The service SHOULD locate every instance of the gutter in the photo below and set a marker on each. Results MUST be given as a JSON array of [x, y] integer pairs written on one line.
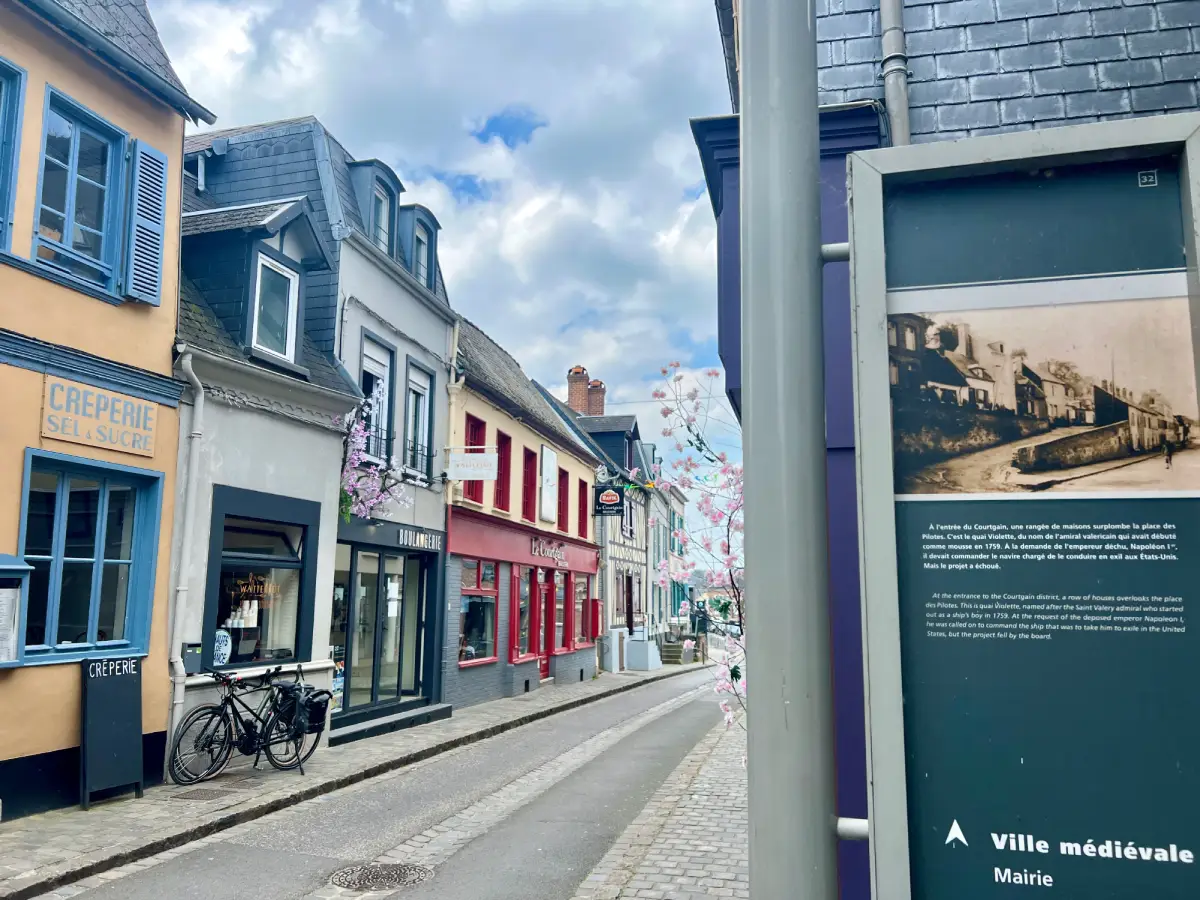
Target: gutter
[[895, 70], [99, 43], [175, 628], [335, 398]]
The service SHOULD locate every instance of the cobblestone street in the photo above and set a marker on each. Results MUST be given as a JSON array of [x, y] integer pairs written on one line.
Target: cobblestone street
[[690, 842], [538, 806]]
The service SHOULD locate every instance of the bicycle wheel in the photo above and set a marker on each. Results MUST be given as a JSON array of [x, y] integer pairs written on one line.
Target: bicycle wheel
[[283, 750], [202, 746]]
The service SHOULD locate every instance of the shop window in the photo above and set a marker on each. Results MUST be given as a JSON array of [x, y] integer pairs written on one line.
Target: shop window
[[261, 579], [476, 440], [90, 535], [529, 484], [477, 612], [503, 471], [581, 584], [376, 384], [11, 87], [523, 615], [258, 608], [564, 500], [276, 308], [561, 635], [419, 426], [584, 495]]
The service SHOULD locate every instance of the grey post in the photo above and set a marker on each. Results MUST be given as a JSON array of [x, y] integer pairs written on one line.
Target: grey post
[[793, 840]]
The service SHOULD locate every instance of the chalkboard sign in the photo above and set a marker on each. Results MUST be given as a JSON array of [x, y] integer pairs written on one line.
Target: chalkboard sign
[[110, 751]]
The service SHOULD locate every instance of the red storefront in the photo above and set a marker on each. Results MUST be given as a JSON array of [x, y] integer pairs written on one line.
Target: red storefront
[[526, 605]]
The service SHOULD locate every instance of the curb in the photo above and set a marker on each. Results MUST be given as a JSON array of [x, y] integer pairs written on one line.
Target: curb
[[56, 879]]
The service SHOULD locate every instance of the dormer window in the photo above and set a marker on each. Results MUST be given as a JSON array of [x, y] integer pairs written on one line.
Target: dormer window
[[421, 255], [276, 303], [381, 219]]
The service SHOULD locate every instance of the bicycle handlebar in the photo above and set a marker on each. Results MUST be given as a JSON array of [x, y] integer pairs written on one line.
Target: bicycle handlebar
[[236, 681]]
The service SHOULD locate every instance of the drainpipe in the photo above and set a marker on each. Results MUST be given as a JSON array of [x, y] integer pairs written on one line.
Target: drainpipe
[[895, 70], [178, 676]]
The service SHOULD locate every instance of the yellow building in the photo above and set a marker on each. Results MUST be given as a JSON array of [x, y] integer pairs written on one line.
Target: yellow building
[[91, 138], [521, 574]]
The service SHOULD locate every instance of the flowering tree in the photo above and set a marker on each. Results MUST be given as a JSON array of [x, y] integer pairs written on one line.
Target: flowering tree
[[713, 542], [368, 484]]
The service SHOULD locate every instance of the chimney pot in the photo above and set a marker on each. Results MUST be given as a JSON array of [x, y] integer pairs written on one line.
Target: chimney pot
[[595, 397], [577, 389]]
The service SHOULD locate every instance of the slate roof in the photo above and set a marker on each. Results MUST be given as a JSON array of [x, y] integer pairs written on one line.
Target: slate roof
[[725, 24], [936, 368], [571, 417], [200, 328], [128, 26], [229, 218], [342, 188], [490, 367], [193, 200], [964, 365], [606, 424]]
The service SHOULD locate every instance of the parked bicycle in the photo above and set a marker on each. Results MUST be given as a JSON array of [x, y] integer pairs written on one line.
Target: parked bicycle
[[285, 725]]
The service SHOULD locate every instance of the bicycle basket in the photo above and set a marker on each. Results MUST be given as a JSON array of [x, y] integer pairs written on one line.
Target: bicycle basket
[[315, 708]]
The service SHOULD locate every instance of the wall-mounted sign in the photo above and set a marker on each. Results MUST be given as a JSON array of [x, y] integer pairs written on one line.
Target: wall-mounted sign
[[610, 501], [10, 608], [95, 417], [472, 466], [548, 512], [555, 550]]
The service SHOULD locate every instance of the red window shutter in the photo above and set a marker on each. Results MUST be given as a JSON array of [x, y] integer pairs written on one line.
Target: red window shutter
[[583, 509], [503, 470], [476, 439], [529, 486], [564, 500]]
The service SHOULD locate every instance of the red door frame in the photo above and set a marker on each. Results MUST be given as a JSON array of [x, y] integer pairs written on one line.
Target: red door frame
[[545, 593]]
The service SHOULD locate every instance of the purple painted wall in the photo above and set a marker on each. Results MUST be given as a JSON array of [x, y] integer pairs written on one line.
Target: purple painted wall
[[842, 131]]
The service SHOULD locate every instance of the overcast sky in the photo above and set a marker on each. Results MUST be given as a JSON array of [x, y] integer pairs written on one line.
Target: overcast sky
[[550, 138]]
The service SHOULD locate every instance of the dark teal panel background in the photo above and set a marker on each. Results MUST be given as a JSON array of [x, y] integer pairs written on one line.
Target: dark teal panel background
[[1082, 220], [1088, 735]]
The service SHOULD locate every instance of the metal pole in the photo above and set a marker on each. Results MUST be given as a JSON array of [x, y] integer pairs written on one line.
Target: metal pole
[[793, 836]]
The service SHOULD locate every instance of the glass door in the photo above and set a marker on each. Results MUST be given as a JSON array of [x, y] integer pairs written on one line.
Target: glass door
[[391, 627], [412, 627], [363, 652], [546, 599]]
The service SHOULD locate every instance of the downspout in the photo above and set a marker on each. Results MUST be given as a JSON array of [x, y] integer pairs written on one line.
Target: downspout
[[895, 70], [178, 676]]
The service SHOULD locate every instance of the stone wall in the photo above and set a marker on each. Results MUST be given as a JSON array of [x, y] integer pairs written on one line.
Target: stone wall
[[929, 433], [1097, 445]]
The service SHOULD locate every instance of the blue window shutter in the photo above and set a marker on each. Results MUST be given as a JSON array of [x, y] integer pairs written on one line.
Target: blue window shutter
[[147, 221]]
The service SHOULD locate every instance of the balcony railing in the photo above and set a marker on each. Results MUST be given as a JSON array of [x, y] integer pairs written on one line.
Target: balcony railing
[[416, 457], [379, 444]]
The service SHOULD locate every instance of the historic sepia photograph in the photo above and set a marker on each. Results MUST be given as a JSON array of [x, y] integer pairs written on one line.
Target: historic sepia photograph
[[1071, 397]]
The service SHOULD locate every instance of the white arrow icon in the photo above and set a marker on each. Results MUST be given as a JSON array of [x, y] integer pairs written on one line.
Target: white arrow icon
[[956, 834]]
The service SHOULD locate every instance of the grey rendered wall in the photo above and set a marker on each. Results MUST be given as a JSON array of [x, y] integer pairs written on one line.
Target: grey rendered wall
[[477, 684], [982, 66], [574, 667], [231, 453]]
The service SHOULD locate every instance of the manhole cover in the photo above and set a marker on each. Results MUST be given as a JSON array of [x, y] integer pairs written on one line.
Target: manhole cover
[[380, 877], [200, 794]]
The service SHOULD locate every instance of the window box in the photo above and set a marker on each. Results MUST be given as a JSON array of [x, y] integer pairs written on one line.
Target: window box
[[89, 532]]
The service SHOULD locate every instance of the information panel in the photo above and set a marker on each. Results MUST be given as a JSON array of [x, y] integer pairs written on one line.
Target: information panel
[[1047, 480]]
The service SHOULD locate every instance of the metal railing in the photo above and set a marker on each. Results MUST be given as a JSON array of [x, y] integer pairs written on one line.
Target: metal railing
[[416, 457], [379, 443]]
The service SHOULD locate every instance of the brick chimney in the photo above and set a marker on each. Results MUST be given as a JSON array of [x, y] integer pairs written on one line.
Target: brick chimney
[[577, 389], [595, 397]]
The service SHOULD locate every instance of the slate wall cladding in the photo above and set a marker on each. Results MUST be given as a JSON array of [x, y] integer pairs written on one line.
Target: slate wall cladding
[[218, 265], [984, 66], [490, 681], [283, 163]]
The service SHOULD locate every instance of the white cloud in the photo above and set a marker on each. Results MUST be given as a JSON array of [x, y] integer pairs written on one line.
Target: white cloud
[[587, 244]]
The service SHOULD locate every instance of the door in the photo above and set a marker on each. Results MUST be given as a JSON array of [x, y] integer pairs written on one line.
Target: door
[[382, 628], [546, 644]]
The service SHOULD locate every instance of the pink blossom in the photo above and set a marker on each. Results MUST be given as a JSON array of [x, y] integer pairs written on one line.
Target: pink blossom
[[666, 412], [674, 365], [668, 432], [659, 394], [664, 371], [652, 521], [689, 645]]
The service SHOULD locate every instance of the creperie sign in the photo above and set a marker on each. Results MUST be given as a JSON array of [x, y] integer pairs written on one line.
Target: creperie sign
[[550, 550]]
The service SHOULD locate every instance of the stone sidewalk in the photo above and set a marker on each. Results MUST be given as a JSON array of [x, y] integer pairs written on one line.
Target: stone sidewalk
[[690, 841], [40, 853]]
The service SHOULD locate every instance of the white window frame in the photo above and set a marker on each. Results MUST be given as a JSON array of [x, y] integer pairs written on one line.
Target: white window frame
[[293, 305], [382, 196], [371, 364], [421, 254], [423, 439]]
